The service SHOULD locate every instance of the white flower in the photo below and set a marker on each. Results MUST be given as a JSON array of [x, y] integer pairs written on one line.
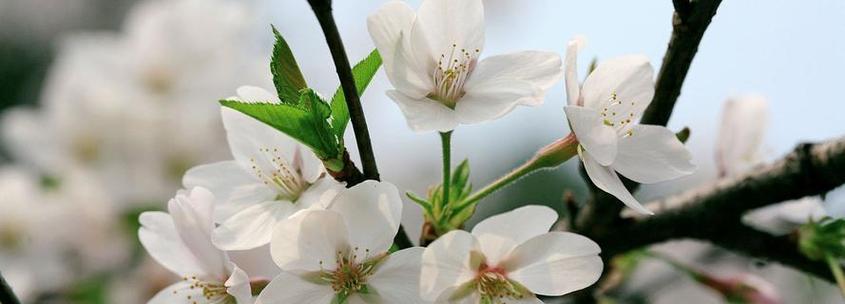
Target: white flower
[[271, 177], [340, 255], [603, 113], [181, 242], [508, 258], [431, 58], [783, 218], [744, 123]]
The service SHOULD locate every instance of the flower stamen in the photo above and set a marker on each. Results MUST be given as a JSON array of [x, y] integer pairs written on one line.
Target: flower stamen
[[451, 74]]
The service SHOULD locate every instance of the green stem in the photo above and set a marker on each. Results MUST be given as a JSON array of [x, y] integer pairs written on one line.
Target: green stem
[[549, 156], [836, 269], [446, 143]]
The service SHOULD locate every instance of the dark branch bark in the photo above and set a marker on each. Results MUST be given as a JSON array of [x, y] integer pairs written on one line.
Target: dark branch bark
[[7, 296], [713, 212], [323, 10], [600, 213]]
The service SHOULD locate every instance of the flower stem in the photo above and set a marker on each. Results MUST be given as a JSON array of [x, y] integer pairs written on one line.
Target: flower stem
[[549, 156], [7, 296], [446, 143], [323, 10], [836, 269]]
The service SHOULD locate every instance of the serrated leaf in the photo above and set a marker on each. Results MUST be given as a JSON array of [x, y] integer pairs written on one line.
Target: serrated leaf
[[363, 72], [286, 74], [306, 122]]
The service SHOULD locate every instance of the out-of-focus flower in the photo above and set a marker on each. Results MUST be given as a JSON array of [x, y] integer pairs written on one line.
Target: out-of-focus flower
[[340, 255], [744, 123], [271, 177], [743, 288], [30, 250], [508, 258], [603, 113], [181, 242], [431, 58], [783, 218], [115, 103]]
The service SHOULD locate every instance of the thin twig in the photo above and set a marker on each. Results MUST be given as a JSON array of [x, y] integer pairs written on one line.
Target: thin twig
[[323, 10], [7, 296]]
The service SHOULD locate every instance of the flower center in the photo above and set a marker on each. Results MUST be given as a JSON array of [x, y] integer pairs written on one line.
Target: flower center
[[349, 276], [493, 285], [451, 74], [613, 115], [212, 292], [285, 177]]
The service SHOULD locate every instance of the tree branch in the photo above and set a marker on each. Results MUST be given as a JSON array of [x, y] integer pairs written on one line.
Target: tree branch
[[601, 212], [7, 296], [713, 212], [323, 10]]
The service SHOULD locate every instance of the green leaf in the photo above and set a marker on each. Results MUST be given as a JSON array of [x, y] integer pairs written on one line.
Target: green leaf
[[363, 73], [286, 75], [306, 122]]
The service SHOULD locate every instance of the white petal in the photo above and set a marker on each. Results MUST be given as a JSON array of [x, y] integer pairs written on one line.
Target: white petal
[[424, 114], [309, 241], [397, 280], [493, 100], [252, 227], [606, 179], [320, 194], [253, 94], [555, 263], [652, 154], [446, 264], [180, 292], [238, 285], [159, 237], [288, 288], [389, 28], [499, 234], [234, 189], [445, 23], [192, 214], [573, 88], [538, 68], [372, 211], [630, 77], [254, 143], [597, 138], [741, 133]]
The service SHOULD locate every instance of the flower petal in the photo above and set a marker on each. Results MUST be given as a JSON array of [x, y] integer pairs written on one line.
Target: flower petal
[[555, 263], [320, 194], [290, 288], [257, 146], [606, 179], [538, 68], [372, 211], [573, 88], [499, 234], [424, 114], [397, 280], [234, 189], [253, 226], [597, 138], [493, 100], [445, 23], [390, 28], [180, 292], [192, 214], [309, 241], [159, 237], [253, 94], [629, 77], [744, 122], [238, 285], [446, 264], [652, 154]]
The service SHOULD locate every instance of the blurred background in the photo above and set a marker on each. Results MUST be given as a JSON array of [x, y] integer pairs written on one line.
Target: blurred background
[[105, 103]]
